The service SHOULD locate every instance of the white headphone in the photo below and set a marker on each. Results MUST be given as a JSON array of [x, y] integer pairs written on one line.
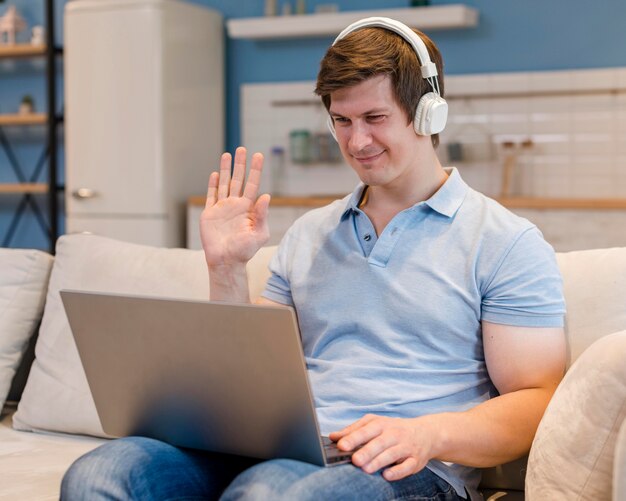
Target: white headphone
[[432, 110]]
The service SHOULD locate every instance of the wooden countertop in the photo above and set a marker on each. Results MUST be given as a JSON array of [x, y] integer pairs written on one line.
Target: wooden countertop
[[510, 202]]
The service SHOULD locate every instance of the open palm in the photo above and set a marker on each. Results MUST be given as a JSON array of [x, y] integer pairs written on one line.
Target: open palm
[[233, 224]]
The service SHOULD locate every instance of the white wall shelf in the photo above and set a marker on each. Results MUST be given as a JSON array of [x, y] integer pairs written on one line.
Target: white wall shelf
[[318, 25]]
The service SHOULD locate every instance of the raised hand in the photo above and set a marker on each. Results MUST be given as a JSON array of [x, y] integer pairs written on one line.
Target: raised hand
[[233, 224]]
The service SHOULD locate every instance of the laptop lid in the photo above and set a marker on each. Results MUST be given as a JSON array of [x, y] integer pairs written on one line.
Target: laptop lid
[[216, 376]]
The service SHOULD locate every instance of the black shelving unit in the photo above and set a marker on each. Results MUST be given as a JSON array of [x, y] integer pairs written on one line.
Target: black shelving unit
[[28, 187], [53, 123]]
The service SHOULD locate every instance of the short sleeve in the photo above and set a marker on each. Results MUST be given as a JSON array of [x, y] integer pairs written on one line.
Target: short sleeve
[[278, 288], [526, 288]]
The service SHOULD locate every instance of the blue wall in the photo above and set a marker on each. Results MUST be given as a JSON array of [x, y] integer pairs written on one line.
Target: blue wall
[[512, 35]]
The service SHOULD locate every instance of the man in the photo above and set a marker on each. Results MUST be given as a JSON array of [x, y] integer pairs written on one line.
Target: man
[[431, 317]]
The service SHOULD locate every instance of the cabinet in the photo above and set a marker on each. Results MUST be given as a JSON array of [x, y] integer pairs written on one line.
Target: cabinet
[[42, 181]]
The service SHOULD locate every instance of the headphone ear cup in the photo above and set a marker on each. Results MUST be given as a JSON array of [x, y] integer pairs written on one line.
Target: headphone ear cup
[[331, 127], [431, 115]]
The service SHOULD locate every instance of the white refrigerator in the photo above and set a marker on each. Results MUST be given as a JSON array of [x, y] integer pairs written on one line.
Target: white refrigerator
[[144, 115]]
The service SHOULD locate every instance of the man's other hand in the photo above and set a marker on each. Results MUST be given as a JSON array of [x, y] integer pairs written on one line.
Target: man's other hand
[[401, 446]]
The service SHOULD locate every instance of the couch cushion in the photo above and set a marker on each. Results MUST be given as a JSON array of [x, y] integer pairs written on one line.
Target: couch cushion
[[572, 454], [23, 282], [57, 396], [594, 283], [33, 464]]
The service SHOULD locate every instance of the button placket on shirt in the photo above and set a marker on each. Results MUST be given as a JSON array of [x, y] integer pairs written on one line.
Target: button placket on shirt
[[387, 241], [365, 232]]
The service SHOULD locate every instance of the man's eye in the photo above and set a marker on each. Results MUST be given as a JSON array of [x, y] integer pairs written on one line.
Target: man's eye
[[375, 118], [341, 120]]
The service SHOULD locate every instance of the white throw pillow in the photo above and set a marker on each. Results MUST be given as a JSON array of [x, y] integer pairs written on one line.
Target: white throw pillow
[[594, 283], [23, 282], [573, 451], [57, 397]]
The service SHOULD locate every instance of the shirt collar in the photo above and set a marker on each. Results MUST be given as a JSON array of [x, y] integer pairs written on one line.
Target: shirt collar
[[352, 201], [446, 200]]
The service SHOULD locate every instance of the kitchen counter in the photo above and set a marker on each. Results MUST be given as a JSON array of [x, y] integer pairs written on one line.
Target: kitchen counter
[[510, 202], [566, 223]]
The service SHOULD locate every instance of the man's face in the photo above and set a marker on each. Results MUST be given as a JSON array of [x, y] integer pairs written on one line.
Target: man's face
[[373, 133]]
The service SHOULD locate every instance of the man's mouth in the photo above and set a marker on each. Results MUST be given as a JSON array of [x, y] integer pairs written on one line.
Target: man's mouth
[[367, 158]]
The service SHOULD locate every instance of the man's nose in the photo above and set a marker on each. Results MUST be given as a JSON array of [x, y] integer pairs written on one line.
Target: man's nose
[[360, 137]]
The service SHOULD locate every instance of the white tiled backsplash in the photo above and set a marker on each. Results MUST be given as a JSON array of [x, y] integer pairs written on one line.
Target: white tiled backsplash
[[573, 122], [269, 113]]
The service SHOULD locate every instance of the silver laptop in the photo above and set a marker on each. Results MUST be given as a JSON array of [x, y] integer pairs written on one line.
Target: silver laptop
[[215, 376]]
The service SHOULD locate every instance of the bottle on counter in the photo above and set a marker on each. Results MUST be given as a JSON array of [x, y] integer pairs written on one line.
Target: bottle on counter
[[300, 146], [278, 170]]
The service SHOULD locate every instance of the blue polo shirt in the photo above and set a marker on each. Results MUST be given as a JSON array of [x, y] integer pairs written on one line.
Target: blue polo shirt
[[391, 324]]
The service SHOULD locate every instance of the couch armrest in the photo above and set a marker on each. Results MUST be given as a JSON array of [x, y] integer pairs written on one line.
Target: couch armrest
[[573, 451]]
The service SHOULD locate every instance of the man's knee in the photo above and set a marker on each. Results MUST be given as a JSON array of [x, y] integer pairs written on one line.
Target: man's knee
[[284, 479], [106, 470], [267, 480]]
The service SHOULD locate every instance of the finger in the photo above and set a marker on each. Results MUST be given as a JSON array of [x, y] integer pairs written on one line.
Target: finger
[[261, 209], [369, 456], [239, 172], [388, 454], [354, 426], [222, 189], [401, 470], [359, 432], [211, 195], [254, 178]]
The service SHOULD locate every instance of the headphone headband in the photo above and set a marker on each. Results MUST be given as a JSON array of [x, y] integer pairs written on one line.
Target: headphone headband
[[428, 68]]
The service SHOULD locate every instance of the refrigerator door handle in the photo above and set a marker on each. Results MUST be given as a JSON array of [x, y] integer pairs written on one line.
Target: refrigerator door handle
[[84, 193]]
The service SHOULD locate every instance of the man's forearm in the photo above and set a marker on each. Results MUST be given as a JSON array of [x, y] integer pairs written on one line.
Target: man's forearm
[[494, 432], [229, 283]]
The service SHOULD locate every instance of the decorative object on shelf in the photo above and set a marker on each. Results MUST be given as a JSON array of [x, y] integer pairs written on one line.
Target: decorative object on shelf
[[271, 8], [27, 105], [38, 36], [326, 8], [300, 7], [419, 3], [286, 10], [11, 24]]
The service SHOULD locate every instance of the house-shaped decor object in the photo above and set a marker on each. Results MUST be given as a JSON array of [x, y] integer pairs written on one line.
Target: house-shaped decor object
[[10, 24]]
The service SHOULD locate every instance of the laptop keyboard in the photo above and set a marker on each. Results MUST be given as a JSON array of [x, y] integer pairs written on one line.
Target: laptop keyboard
[[333, 454]]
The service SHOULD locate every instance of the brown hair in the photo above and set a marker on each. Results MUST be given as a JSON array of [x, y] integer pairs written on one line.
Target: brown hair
[[373, 51]]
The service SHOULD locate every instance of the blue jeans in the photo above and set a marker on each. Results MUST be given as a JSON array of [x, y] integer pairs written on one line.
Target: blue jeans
[[144, 469]]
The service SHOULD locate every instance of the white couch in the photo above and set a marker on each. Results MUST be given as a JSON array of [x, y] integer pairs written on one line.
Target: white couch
[[578, 453]]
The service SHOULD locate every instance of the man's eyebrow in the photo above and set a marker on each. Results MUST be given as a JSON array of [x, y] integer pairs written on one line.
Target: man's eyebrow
[[373, 111]]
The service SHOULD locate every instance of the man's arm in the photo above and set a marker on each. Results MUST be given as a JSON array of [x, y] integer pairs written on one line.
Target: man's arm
[[525, 364]]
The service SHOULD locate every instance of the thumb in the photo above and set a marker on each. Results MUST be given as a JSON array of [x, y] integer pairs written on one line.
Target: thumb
[[261, 210]]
